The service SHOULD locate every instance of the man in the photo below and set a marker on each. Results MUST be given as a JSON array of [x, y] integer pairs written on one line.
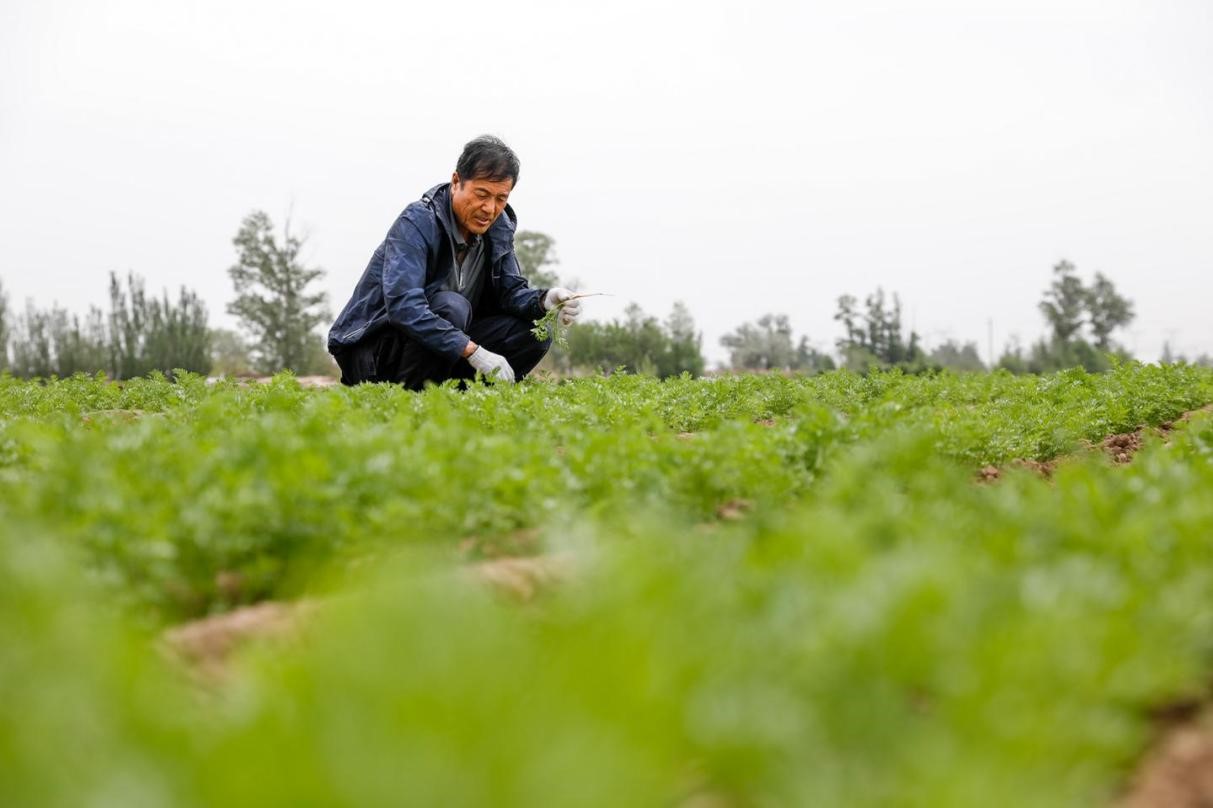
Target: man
[[443, 297]]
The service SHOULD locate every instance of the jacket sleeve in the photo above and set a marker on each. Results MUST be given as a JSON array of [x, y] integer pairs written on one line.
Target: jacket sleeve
[[513, 293], [404, 263]]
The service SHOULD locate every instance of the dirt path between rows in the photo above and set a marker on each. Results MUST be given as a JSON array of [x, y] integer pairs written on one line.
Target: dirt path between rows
[[1178, 771], [1120, 448], [206, 646]]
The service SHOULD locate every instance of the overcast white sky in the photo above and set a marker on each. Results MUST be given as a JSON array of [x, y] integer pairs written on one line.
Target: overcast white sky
[[743, 157]]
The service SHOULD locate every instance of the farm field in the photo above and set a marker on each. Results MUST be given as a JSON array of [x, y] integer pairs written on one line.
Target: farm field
[[755, 590]]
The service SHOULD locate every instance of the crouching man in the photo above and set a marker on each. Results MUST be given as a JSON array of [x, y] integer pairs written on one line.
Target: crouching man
[[442, 296]]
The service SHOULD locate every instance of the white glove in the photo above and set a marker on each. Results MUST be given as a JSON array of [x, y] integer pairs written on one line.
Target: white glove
[[489, 363], [569, 311]]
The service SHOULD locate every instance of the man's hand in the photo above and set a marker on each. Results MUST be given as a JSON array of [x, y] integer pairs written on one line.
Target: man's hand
[[490, 363], [571, 308]]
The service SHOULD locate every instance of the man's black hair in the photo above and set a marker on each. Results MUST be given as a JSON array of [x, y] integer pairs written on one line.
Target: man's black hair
[[487, 158]]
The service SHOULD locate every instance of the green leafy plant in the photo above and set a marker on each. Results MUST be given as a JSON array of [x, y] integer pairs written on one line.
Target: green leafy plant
[[548, 326], [869, 621]]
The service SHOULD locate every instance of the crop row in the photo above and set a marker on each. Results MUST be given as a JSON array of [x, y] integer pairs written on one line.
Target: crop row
[[191, 497], [879, 629]]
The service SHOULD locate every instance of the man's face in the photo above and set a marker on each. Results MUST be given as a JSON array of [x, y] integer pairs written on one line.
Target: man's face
[[478, 203]]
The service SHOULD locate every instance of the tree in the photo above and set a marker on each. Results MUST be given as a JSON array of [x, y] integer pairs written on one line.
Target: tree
[[762, 345], [638, 344], [79, 346], [1012, 358], [273, 302], [811, 360], [1067, 306], [766, 344], [4, 328], [1107, 310], [1049, 355], [33, 353], [1064, 303], [148, 333], [1168, 356], [848, 315], [684, 352], [876, 338], [127, 326], [885, 335], [177, 335], [139, 334], [955, 356], [230, 354], [53, 342], [534, 251]]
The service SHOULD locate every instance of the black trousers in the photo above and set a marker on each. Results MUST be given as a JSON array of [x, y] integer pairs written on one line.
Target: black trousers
[[390, 356]]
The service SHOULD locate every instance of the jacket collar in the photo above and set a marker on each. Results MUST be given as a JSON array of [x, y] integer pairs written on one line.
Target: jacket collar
[[500, 235]]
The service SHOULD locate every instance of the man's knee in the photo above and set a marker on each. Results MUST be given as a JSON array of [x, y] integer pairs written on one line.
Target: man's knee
[[453, 307]]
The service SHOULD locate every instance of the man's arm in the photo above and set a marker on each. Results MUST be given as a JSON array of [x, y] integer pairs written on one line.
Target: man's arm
[[513, 293], [404, 263]]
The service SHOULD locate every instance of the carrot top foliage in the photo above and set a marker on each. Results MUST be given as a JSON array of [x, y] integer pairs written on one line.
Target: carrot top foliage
[[783, 590]]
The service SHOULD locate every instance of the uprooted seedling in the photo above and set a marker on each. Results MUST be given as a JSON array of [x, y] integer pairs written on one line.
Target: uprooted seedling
[[548, 326]]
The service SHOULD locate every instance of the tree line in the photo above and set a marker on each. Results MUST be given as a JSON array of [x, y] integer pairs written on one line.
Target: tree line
[[138, 334], [279, 309], [275, 304], [1081, 319]]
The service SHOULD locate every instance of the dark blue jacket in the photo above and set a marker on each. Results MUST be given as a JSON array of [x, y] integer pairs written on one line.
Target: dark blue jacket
[[414, 262]]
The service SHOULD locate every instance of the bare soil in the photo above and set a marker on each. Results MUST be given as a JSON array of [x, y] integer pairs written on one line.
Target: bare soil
[[734, 509], [1178, 772], [522, 579], [206, 645], [304, 381], [1041, 468], [524, 542], [1120, 448]]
